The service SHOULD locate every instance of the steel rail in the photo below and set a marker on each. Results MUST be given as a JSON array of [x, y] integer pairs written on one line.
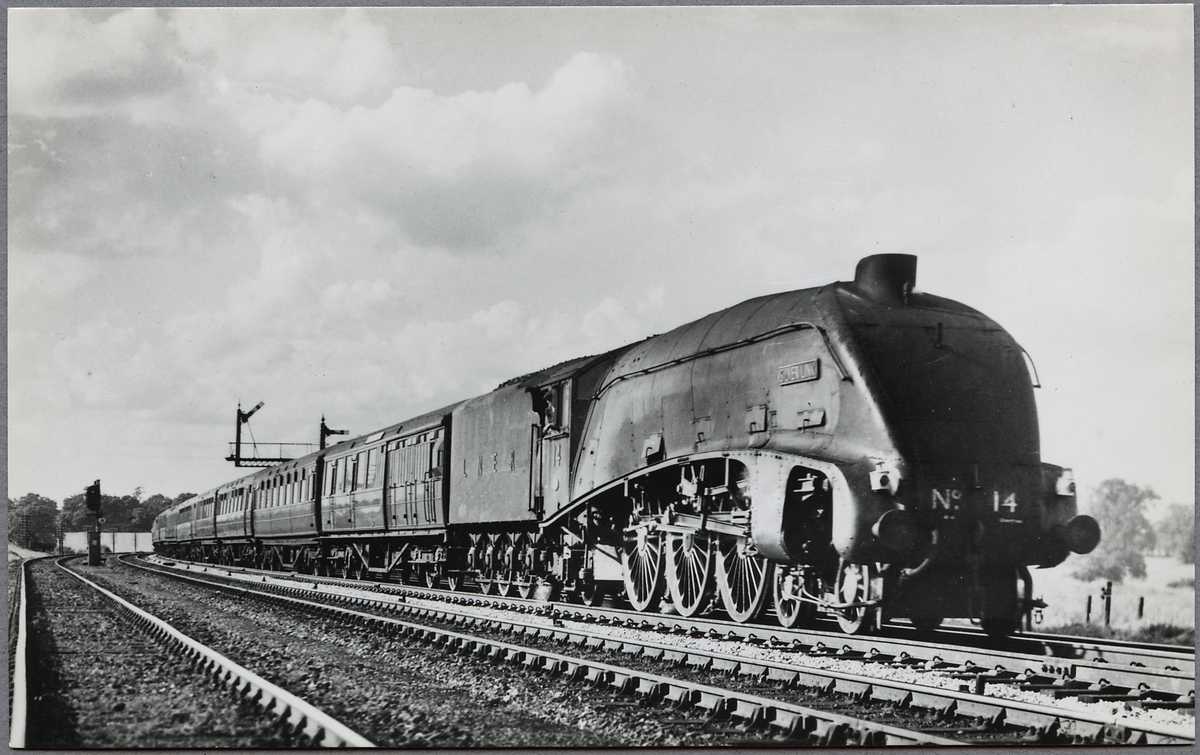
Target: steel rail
[[1094, 666], [1163, 680], [1041, 718], [20, 690], [301, 716], [1063, 650], [819, 726], [1095, 649]]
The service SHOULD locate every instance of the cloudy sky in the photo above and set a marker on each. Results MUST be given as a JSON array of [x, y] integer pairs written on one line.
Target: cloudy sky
[[367, 214]]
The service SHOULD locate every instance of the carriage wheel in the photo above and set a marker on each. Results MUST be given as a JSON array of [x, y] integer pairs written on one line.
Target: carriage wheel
[[527, 589], [487, 585], [454, 582], [689, 561], [431, 577], [591, 594], [504, 586], [641, 568], [744, 580], [854, 586]]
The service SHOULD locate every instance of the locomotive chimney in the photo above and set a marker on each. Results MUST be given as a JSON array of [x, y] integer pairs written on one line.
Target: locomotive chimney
[[886, 278]]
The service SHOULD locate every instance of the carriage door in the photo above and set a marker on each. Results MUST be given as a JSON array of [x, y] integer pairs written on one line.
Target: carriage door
[[394, 484], [431, 457], [551, 488]]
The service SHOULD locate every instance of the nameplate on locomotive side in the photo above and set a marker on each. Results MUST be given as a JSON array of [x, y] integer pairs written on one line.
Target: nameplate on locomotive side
[[800, 373]]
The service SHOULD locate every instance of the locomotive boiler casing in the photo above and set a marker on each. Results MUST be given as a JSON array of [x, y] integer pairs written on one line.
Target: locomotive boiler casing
[[765, 382]]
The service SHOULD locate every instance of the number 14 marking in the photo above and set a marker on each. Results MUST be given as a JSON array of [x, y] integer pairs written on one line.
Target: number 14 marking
[[1010, 502]]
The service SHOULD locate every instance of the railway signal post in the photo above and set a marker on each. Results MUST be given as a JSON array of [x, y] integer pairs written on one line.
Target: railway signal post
[[92, 499]]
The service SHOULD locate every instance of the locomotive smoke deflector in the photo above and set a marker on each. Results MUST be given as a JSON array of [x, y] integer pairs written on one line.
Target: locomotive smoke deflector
[[886, 278]]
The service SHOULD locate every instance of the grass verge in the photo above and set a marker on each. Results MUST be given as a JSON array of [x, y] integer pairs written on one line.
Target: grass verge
[[1163, 634]]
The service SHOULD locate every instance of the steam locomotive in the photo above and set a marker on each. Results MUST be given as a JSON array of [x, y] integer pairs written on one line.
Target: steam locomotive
[[859, 450]]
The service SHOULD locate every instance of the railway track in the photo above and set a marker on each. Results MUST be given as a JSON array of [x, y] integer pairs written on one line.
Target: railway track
[[1166, 669], [89, 661], [967, 714]]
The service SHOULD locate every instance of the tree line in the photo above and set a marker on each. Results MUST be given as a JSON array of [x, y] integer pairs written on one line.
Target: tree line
[[34, 520], [1127, 535]]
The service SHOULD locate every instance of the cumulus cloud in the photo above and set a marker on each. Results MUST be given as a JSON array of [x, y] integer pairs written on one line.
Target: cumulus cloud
[[331, 54], [84, 61], [454, 170]]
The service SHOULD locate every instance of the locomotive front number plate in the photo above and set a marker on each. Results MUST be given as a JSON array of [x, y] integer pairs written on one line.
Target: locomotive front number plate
[[800, 373]]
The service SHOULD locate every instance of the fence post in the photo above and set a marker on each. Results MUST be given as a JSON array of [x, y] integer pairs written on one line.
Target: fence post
[[1106, 594], [1141, 607], [1088, 615]]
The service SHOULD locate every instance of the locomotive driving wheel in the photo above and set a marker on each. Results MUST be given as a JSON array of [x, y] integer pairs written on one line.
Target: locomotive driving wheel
[[743, 579], [788, 583], [854, 585], [689, 561], [641, 562]]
